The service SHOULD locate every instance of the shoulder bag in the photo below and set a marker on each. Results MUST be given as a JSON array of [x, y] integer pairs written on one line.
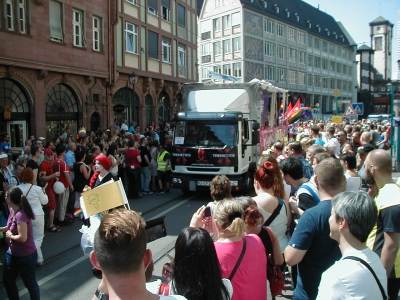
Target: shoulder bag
[[275, 213], [275, 275], [372, 271]]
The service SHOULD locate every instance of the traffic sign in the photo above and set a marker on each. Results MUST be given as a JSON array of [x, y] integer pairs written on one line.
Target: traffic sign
[[358, 107], [336, 93], [350, 111]]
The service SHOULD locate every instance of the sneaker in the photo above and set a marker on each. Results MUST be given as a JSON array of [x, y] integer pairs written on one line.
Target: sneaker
[[160, 192], [167, 191], [149, 192]]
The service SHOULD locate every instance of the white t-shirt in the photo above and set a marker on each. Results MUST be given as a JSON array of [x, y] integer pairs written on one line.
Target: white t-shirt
[[352, 183], [350, 279]]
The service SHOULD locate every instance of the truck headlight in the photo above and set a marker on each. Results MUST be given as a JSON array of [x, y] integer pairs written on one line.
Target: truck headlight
[[234, 183]]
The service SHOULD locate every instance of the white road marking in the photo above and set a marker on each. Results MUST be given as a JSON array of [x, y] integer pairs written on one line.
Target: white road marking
[[56, 273]]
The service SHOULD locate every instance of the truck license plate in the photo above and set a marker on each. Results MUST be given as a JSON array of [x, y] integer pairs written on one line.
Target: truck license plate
[[203, 183]]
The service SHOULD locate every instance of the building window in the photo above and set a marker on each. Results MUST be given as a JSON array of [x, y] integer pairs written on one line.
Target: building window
[[317, 81], [217, 24], [317, 44], [205, 28], [332, 49], [181, 55], [22, 16], [226, 22], [280, 30], [236, 19], [324, 64], [227, 69], [56, 21], [291, 34], [237, 69], [292, 54], [344, 69], [301, 38], [339, 68], [218, 69], [78, 28], [131, 1], [310, 41], [152, 44], [302, 78], [205, 49], [269, 26], [270, 49], [10, 15], [237, 45], [324, 46], [292, 76], [302, 57], [325, 83], [310, 61], [317, 62], [181, 16], [131, 38], [165, 10], [217, 48], [204, 73], [270, 73], [219, 3], [281, 75], [281, 52], [332, 83], [152, 7], [166, 50], [310, 80], [97, 25], [297, 17], [227, 46]]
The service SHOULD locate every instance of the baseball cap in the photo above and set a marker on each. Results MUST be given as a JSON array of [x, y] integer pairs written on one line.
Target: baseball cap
[[41, 138], [364, 149], [142, 136], [48, 151], [3, 156]]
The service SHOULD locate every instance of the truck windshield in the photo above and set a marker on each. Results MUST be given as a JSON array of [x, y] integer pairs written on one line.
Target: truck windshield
[[203, 133]]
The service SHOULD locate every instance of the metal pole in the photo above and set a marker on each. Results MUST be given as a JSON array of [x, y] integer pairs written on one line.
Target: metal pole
[[391, 118], [133, 102], [337, 105]]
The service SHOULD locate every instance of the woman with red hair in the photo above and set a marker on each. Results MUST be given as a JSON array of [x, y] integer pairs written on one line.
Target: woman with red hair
[[102, 166], [271, 207]]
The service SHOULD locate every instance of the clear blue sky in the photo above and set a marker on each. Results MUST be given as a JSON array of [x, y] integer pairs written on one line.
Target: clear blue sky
[[355, 15]]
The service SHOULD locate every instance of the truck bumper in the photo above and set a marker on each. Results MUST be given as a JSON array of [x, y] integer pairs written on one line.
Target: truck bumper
[[202, 183]]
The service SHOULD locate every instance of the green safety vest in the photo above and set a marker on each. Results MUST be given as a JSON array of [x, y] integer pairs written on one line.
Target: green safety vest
[[162, 163]]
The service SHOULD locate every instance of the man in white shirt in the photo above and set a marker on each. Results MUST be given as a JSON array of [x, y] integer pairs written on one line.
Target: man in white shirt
[[352, 218]]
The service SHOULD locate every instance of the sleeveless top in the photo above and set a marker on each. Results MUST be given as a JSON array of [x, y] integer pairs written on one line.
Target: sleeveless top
[[279, 225], [79, 181]]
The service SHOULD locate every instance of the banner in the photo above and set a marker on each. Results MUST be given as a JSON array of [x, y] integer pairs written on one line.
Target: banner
[[269, 136], [105, 197]]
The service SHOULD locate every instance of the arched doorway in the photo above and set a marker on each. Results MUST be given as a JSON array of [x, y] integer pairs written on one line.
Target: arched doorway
[[14, 112], [164, 106], [94, 121], [130, 103], [149, 109], [62, 112]]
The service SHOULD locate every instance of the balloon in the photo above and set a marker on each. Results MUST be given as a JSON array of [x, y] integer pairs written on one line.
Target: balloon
[[58, 187]]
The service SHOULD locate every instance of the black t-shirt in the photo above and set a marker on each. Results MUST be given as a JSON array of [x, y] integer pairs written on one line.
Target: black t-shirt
[[144, 151], [32, 164]]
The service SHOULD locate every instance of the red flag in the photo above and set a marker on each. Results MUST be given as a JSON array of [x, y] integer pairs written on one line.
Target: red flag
[[296, 107], [289, 108]]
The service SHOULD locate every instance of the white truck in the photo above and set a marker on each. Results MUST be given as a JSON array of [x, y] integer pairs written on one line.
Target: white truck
[[218, 134]]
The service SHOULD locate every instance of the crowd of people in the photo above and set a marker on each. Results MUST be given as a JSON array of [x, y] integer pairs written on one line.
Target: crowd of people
[[325, 205], [51, 175]]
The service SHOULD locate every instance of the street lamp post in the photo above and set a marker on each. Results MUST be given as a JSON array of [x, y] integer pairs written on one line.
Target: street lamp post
[[391, 90], [132, 80]]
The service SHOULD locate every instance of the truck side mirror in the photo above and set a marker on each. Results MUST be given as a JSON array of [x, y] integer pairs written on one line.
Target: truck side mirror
[[255, 133]]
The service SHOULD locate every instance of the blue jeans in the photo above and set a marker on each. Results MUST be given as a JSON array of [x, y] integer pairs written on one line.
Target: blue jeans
[[145, 175], [26, 267]]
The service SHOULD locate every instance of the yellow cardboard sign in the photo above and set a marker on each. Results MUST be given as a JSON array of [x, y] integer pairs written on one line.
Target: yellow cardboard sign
[[103, 198], [337, 119]]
